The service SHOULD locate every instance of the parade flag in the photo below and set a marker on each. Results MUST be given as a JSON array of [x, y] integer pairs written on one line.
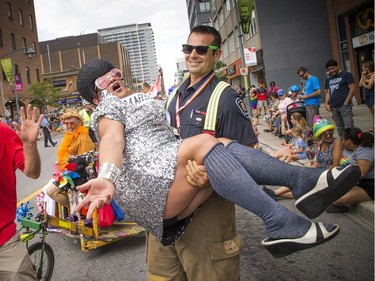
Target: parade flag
[[156, 88], [69, 85], [245, 10], [7, 66]]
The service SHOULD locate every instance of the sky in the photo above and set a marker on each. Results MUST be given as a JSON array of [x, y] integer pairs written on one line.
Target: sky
[[168, 18]]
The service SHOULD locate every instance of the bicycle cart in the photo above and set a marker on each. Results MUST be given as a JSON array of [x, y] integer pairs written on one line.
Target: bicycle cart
[[91, 233], [92, 236]]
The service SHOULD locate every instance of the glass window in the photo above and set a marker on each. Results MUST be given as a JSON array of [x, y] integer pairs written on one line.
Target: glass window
[[225, 49], [13, 41], [37, 75], [227, 8], [204, 7], [16, 69], [20, 16], [221, 18], [1, 39], [31, 22], [28, 75], [24, 43], [232, 43], [33, 45], [9, 6]]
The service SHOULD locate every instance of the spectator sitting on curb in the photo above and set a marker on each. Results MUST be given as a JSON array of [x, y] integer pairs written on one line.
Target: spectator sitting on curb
[[294, 151], [361, 145], [327, 155], [271, 110]]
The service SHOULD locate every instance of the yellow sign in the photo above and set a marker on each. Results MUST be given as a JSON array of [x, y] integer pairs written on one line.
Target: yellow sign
[[6, 64]]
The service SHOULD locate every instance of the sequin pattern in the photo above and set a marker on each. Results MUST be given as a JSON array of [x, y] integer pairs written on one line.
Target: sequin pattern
[[149, 158]]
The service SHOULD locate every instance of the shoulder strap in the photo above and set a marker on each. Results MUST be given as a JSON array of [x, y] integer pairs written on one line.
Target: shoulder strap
[[170, 98], [212, 108]]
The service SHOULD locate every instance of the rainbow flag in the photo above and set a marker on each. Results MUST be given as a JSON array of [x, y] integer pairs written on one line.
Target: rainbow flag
[[69, 85]]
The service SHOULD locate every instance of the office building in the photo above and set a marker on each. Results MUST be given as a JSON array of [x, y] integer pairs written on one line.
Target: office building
[[62, 58], [138, 39]]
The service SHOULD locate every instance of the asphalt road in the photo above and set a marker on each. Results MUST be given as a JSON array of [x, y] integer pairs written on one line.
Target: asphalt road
[[350, 256]]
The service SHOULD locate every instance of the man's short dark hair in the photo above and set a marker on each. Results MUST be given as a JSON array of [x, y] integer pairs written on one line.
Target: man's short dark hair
[[204, 29], [303, 69], [331, 62]]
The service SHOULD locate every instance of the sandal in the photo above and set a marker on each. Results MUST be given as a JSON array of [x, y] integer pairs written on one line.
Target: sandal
[[316, 235], [267, 130], [331, 185]]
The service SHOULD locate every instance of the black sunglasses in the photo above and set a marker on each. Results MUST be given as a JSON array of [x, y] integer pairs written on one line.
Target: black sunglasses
[[301, 75], [201, 50]]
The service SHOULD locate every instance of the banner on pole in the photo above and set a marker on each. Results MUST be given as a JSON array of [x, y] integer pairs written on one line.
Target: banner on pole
[[6, 64], [250, 56], [245, 10], [18, 81]]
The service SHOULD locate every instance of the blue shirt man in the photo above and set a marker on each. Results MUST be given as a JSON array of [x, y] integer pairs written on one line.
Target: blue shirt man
[[312, 94]]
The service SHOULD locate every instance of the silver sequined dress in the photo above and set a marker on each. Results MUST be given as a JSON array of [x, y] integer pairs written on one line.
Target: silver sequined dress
[[149, 158]]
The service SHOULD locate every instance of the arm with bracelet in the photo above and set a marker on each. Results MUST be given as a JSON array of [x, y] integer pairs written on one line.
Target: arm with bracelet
[[102, 189]]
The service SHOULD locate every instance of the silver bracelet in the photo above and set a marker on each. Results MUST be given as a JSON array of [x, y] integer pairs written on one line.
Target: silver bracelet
[[110, 172]]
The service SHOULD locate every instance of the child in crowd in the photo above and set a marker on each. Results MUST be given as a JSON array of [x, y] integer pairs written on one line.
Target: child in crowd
[[255, 122], [254, 102], [296, 150], [271, 112]]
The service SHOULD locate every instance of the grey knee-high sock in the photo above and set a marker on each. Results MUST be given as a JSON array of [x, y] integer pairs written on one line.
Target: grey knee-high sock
[[231, 181], [266, 170]]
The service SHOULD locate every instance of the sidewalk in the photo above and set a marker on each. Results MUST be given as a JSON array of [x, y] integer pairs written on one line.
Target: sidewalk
[[362, 213]]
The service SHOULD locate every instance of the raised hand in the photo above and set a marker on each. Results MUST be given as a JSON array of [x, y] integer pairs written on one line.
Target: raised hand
[[29, 129]]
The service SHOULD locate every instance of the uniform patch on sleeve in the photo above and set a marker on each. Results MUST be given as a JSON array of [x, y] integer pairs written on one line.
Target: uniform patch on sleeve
[[241, 105]]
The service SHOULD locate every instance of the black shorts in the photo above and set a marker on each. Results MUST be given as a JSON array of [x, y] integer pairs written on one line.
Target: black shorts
[[368, 186]]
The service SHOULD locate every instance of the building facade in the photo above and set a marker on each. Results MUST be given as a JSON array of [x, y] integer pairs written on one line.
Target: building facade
[[18, 32], [138, 39], [286, 35], [199, 12], [62, 58]]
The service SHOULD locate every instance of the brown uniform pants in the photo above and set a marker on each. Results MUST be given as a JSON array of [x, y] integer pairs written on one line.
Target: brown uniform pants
[[209, 249], [15, 262]]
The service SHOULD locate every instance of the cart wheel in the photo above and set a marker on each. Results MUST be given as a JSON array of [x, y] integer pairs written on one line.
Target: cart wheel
[[43, 260]]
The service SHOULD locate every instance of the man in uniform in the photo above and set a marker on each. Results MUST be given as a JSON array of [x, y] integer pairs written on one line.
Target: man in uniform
[[210, 247]]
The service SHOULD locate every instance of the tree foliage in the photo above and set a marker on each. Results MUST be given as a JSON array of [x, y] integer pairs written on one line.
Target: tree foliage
[[220, 71], [44, 94]]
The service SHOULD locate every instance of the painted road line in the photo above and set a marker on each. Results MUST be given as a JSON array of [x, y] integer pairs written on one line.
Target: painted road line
[[28, 198]]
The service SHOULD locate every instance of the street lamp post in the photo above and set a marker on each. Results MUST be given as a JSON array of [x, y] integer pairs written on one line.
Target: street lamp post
[[30, 52]]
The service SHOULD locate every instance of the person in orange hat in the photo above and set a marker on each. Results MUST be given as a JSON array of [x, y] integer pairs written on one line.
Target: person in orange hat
[[76, 141]]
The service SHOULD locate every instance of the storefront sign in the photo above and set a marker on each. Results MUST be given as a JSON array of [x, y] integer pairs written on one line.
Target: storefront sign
[[250, 56], [363, 40]]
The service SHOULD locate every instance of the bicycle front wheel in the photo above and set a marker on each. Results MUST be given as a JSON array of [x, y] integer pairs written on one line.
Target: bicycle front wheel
[[43, 260]]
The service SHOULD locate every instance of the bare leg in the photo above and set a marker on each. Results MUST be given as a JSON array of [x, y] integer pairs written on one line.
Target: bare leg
[[354, 196], [182, 198], [58, 195]]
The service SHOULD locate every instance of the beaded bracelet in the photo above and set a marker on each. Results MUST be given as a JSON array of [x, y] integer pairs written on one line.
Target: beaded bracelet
[[110, 172]]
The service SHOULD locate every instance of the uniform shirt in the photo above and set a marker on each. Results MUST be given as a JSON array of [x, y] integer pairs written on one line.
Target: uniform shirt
[[338, 87], [232, 120]]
